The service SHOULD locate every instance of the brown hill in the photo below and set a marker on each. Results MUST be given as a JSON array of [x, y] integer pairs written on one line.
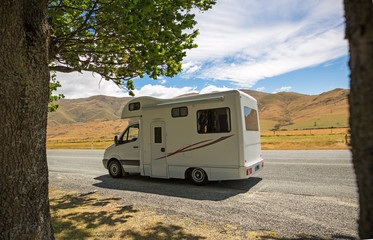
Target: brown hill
[[96, 108], [255, 94], [98, 117], [298, 111]]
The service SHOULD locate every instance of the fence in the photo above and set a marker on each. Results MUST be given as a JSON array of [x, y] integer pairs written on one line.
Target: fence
[[325, 131]]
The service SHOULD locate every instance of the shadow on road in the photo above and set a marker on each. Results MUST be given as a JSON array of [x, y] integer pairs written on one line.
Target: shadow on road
[[214, 191]]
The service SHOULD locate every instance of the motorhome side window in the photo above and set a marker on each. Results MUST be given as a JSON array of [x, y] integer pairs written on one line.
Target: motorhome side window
[[214, 120], [251, 119], [179, 112], [130, 135], [134, 106]]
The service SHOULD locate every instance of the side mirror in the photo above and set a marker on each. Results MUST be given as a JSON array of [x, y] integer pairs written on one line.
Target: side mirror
[[116, 140]]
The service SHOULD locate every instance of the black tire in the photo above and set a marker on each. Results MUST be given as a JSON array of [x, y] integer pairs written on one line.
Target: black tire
[[197, 176], [115, 169]]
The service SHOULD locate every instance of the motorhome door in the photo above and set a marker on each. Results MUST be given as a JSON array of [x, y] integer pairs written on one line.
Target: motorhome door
[[158, 148]]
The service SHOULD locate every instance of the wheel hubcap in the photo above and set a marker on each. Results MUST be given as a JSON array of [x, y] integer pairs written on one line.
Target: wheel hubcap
[[197, 175], [114, 169]]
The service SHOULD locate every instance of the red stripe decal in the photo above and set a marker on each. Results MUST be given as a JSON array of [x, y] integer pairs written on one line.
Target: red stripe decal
[[186, 149], [216, 141], [182, 149]]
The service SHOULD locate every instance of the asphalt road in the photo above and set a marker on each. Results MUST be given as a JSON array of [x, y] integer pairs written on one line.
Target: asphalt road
[[298, 193]]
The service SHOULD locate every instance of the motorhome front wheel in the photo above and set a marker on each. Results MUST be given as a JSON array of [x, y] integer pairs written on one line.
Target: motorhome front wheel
[[198, 176], [115, 170]]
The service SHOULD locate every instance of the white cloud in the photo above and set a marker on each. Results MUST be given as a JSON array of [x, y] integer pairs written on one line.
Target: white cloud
[[261, 89], [190, 67], [160, 91], [282, 89], [193, 69], [212, 88], [86, 84], [245, 41]]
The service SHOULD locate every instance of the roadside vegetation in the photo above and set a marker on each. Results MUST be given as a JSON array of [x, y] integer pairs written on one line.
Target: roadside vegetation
[[305, 142], [329, 138], [80, 144], [333, 138]]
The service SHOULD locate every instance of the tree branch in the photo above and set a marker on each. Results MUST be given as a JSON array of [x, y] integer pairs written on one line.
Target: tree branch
[[64, 69], [86, 19]]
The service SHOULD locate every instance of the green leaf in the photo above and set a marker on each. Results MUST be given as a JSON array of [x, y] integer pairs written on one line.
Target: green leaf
[[53, 85]]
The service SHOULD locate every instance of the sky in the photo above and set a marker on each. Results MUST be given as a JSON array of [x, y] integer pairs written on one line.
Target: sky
[[270, 46]]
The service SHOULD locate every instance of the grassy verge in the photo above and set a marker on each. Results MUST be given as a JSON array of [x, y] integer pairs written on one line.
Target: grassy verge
[[307, 142], [282, 142], [80, 145], [90, 216]]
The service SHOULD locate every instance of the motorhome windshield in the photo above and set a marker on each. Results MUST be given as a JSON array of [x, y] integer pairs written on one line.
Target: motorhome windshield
[[130, 135]]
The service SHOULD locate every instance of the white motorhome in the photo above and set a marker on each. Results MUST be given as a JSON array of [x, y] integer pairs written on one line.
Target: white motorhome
[[203, 137]]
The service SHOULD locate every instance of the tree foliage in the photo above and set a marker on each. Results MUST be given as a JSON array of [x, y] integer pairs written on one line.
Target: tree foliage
[[53, 85], [122, 39]]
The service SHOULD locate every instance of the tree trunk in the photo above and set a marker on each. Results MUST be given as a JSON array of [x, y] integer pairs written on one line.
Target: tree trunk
[[24, 81], [359, 32]]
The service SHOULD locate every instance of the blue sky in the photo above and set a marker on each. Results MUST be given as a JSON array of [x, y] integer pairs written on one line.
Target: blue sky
[[269, 46]]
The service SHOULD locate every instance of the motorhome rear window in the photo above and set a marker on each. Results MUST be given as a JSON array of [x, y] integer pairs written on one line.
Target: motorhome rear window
[[179, 112], [251, 119], [217, 120], [134, 106]]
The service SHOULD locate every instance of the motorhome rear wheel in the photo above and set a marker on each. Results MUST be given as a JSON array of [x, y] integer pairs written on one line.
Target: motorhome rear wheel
[[198, 176]]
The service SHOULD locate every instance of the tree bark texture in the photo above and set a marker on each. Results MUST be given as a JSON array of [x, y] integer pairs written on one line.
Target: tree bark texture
[[359, 32], [24, 89]]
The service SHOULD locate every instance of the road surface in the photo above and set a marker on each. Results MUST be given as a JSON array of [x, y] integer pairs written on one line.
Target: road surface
[[309, 193]]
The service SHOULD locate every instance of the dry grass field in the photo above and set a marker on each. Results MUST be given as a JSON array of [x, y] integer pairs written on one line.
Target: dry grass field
[[334, 138], [327, 131], [304, 142], [80, 145]]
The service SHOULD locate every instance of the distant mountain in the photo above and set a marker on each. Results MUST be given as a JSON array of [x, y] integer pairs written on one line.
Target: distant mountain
[[96, 108], [98, 117], [255, 94], [289, 110]]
